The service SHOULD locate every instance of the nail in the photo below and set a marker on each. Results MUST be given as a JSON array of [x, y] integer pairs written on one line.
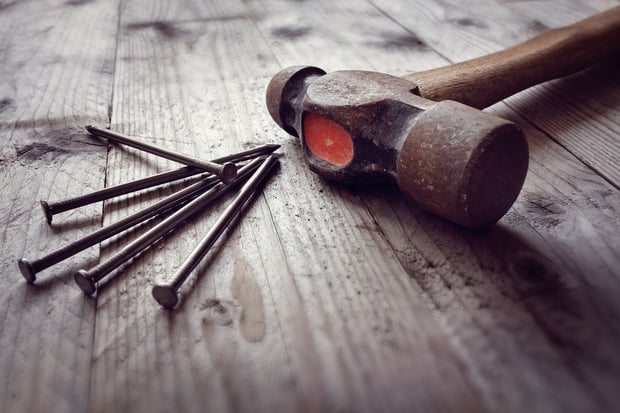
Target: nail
[[29, 269], [249, 153], [87, 279], [166, 294], [52, 208], [227, 171]]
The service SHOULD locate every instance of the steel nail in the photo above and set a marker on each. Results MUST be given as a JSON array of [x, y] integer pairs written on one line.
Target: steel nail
[[226, 171], [249, 153], [166, 294], [87, 279], [52, 208], [30, 268]]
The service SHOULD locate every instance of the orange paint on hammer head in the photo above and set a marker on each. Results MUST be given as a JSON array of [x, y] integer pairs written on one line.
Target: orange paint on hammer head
[[327, 140]]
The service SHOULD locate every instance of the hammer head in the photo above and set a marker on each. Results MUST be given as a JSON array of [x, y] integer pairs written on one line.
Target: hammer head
[[356, 126]]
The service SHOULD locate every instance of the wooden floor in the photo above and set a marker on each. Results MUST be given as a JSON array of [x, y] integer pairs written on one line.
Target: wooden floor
[[324, 298]]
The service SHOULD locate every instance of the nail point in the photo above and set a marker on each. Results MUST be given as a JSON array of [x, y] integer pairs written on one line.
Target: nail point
[[85, 282], [27, 270], [165, 295], [47, 212]]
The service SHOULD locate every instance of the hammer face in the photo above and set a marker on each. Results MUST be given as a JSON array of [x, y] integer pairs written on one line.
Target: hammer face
[[370, 114], [463, 164]]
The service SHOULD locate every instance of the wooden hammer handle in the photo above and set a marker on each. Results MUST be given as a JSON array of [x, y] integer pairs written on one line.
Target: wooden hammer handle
[[559, 52]]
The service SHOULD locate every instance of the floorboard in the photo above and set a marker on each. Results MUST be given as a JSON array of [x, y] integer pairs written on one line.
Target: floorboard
[[322, 296], [54, 79]]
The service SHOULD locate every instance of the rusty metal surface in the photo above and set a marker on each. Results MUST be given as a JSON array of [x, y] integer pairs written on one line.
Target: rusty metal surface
[[456, 162]]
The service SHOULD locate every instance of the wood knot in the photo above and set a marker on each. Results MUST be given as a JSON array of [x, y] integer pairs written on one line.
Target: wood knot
[[6, 103], [291, 32], [535, 273], [218, 312], [469, 22]]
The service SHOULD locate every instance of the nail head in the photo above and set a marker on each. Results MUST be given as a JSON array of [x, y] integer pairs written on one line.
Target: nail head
[[229, 172], [27, 270], [165, 295], [85, 282], [47, 211]]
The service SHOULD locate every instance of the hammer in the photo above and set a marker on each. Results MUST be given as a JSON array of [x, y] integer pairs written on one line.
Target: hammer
[[425, 130]]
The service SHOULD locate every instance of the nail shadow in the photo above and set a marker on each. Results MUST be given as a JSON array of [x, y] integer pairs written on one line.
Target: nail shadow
[[201, 271], [49, 278], [149, 195], [138, 157], [73, 224], [46, 282], [126, 237], [120, 273]]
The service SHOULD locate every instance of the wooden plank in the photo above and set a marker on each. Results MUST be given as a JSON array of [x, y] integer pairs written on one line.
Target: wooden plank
[[512, 297], [476, 314], [531, 298], [319, 298], [578, 111], [303, 306], [55, 77]]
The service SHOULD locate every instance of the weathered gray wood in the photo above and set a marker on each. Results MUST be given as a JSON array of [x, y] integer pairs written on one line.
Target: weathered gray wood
[[558, 107], [55, 76], [323, 297], [304, 307], [522, 290], [536, 291]]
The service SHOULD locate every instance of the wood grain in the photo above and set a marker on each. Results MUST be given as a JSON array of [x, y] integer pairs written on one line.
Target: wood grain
[[558, 107], [56, 75], [321, 297], [272, 321], [558, 52], [545, 261]]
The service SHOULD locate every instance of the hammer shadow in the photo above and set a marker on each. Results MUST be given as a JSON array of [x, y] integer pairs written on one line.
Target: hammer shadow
[[564, 307], [537, 278], [558, 298]]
